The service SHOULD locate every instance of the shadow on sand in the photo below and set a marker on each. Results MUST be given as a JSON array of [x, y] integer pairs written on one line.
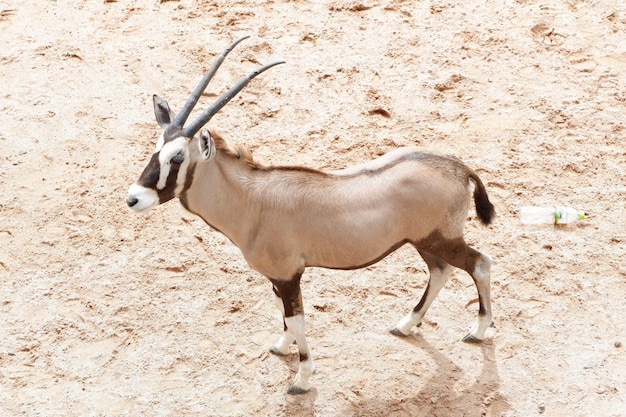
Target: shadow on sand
[[441, 394]]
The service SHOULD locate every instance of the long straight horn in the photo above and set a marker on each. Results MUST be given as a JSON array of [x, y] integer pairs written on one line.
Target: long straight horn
[[204, 118], [193, 99]]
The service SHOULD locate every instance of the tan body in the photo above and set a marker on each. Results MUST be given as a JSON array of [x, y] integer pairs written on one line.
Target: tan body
[[286, 219]]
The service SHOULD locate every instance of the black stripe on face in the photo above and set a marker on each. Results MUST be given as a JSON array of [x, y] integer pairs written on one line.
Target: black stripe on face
[[150, 175]]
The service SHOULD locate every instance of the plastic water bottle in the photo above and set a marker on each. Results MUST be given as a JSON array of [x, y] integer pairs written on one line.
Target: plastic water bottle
[[550, 215]]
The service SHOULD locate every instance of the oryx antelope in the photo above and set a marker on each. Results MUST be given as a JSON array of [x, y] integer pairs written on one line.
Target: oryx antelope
[[287, 218]]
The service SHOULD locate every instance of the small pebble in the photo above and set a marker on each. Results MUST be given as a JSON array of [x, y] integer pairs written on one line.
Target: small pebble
[[542, 408], [618, 344]]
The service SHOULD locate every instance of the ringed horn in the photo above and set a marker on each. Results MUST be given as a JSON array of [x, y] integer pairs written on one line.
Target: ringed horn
[[204, 118]]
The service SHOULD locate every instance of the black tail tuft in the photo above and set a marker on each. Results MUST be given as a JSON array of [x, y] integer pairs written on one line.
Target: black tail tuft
[[484, 209]]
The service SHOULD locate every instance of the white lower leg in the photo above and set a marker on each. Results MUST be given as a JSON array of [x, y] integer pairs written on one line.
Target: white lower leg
[[438, 279], [482, 278], [306, 367], [478, 329], [407, 322], [282, 346]]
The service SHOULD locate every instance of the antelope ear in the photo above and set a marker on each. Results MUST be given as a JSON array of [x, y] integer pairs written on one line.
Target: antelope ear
[[207, 145], [162, 112]]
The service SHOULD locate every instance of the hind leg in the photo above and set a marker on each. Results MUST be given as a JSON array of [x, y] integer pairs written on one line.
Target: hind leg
[[482, 277], [458, 254], [440, 272]]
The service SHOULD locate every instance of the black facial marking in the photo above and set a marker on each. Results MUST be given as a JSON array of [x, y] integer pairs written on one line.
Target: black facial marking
[[178, 159], [150, 175]]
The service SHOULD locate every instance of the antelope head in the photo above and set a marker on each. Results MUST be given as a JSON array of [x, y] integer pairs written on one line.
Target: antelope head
[[177, 148]]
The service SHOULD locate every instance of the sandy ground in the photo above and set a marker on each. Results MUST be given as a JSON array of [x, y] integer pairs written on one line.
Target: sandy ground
[[107, 313]]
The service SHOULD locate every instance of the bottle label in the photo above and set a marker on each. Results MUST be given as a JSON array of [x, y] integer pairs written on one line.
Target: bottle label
[[558, 215]]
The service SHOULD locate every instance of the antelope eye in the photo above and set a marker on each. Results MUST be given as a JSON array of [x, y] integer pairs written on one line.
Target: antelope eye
[[178, 159]]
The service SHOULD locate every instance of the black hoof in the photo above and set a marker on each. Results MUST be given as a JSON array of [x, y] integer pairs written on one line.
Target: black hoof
[[274, 350], [293, 390], [397, 332], [472, 339]]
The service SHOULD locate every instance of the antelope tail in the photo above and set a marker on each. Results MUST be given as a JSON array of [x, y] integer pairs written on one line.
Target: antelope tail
[[484, 209]]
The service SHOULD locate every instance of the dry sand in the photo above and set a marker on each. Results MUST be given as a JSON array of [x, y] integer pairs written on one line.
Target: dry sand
[[108, 313]]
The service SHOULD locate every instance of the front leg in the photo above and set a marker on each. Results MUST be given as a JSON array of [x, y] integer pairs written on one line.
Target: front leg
[[282, 346], [291, 296]]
